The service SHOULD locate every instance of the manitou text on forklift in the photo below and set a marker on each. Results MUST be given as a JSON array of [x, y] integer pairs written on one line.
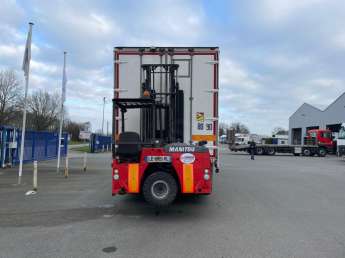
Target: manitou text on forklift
[[166, 104]]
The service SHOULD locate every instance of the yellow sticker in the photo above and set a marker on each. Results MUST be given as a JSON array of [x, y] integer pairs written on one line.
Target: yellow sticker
[[200, 117]]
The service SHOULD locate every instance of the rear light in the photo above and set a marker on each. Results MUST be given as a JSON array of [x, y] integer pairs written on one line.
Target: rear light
[[116, 174], [206, 174], [207, 177]]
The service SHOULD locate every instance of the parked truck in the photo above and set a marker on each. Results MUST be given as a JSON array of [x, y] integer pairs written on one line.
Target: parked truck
[[317, 142], [165, 121]]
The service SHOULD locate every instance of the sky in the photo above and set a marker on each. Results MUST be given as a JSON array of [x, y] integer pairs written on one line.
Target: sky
[[274, 54]]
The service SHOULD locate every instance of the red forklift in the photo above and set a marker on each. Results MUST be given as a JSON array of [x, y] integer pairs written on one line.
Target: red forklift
[[156, 162]]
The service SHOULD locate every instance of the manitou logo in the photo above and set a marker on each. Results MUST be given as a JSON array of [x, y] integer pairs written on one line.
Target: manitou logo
[[181, 149], [187, 158]]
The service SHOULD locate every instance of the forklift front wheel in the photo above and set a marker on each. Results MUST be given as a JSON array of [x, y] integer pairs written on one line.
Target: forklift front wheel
[[160, 189]]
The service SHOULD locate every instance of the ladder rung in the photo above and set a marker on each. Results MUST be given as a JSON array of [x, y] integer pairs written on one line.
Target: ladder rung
[[212, 118]]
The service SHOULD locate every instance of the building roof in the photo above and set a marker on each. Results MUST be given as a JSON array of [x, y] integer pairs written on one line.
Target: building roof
[[317, 109]]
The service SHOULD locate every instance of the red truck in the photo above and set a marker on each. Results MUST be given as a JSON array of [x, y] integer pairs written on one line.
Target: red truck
[[320, 137], [317, 142]]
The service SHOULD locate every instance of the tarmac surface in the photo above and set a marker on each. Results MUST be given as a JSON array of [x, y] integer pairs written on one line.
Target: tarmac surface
[[274, 206]]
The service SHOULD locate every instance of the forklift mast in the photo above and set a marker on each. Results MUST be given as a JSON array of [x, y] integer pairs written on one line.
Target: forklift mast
[[161, 105]]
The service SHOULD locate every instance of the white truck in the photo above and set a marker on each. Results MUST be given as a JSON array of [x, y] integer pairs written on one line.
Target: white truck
[[341, 141]]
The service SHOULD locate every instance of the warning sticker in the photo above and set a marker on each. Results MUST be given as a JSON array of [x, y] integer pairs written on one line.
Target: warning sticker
[[200, 116]]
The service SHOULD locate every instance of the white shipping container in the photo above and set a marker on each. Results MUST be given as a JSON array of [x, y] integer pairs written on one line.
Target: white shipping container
[[197, 77]]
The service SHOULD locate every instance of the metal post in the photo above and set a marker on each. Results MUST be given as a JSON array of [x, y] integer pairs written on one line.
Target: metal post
[[103, 116], [66, 165], [26, 70], [34, 181], [61, 115], [122, 121], [85, 161], [23, 131], [107, 127]]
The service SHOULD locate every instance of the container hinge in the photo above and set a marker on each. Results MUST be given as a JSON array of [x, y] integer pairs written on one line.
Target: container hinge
[[212, 91], [212, 62], [120, 90], [120, 62]]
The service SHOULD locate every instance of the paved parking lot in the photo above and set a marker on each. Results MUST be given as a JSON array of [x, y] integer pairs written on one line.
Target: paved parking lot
[[281, 206]]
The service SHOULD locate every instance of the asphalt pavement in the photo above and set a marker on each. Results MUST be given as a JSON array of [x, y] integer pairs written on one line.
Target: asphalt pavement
[[274, 206]]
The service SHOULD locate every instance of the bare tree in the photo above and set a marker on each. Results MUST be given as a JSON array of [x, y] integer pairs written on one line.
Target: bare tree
[[43, 110], [223, 128], [240, 128], [10, 95], [280, 130], [73, 129]]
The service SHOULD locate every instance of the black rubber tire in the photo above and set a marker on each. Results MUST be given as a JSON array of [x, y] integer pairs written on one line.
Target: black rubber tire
[[306, 152], [271, 151], [321, 152], [148, 191], [260, 151], [296, 154]]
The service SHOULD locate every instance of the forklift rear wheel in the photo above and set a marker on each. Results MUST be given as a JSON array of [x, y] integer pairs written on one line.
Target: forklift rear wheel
[[160, 189]]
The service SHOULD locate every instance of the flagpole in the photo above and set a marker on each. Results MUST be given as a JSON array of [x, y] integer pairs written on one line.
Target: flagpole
[[61, 110], [26, 68]]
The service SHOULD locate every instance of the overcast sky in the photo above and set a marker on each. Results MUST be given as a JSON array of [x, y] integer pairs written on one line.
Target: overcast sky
[[275, 54]]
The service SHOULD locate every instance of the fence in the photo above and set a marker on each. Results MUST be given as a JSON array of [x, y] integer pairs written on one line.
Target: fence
[[38, 145], [99, 143]]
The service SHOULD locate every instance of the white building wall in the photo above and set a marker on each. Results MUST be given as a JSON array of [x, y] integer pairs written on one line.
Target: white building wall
[[307, 116]]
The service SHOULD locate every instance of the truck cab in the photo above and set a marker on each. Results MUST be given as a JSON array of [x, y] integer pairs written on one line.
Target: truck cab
[[322, 137]]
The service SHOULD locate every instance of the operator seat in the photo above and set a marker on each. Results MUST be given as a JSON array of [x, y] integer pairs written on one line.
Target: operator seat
[[129, 146]]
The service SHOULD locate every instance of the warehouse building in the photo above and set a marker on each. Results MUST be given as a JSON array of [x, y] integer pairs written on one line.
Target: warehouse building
[[308, 117]]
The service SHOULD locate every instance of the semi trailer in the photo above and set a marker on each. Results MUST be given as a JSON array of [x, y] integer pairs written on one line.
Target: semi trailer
[[165, 121], [317, 142]]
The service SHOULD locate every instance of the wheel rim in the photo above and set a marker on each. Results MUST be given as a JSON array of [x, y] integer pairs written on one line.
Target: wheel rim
[[160, 189], [259, 151], [306, 152]]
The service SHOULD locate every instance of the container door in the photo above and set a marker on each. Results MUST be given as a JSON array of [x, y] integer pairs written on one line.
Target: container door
[[205, 101]]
